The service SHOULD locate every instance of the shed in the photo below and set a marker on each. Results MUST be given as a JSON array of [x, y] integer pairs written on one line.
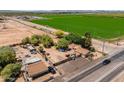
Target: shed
[[31, 60], [37, 69]]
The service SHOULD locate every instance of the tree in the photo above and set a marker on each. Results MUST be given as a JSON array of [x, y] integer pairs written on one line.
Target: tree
[[38, 37], [7, 56], [88, 35], [34, 41], [26, 40], [47, 41], [59, 34], [62, 44], [92, 49], [73, 38], [10, 71], [87, 41], [40, 48]]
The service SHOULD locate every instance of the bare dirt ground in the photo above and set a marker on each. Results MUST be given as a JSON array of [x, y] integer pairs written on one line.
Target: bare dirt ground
[[120, 42], [12, 32], [57, 56], [1, 80], [105, 47]]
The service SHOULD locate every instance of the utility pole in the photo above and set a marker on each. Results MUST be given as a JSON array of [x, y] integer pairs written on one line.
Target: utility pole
[[118, 40], [103, 47]]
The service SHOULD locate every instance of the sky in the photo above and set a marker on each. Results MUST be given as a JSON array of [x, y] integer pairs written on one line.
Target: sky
[[61, 4]]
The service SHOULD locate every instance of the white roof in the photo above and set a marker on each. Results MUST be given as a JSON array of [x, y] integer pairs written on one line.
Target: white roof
[[32, 60], [31, 47]]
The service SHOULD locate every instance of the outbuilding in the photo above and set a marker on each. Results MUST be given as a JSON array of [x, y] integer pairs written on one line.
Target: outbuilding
[[34, 68]]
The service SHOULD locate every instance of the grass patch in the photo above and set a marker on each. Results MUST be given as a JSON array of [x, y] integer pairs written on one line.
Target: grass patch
[[101, 26]]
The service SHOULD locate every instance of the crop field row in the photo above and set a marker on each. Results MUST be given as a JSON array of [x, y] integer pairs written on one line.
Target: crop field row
[[100, 26]]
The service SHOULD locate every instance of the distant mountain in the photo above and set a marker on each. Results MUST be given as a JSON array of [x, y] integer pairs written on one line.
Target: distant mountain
[[30, 12], [61, 11]]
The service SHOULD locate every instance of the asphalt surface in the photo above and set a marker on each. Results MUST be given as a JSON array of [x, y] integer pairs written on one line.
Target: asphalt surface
[[113, 73], [119, 77], [103, 70], [95, 73]]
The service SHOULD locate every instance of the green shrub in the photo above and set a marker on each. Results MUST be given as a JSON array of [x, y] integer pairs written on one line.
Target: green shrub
[[26, 41], [10, 70], [47, 41], [73, 38], [62, 44], [7, 56], [87, 41], [34, 41], [40, 48], [59, 34], [92, 49]]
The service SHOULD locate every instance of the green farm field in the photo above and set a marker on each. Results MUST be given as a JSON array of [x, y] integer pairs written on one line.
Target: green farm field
[[101, 26]]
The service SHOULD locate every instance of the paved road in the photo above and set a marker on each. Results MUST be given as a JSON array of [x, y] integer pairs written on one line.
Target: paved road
[[103, 70], [111, 74], [99, 70], [119, 77]]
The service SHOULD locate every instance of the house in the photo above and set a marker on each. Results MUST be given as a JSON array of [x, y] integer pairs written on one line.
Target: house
[[33, 68], [37, 69], [31, 60]]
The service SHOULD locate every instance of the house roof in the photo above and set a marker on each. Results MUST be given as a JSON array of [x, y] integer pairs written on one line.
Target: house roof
[[36, 69], [31, 48], [31, 60]]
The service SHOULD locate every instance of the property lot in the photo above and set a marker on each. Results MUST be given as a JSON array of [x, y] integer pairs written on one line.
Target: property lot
[[12, 32], [72, 66], [40, 65], [57, 56], [22, 54]]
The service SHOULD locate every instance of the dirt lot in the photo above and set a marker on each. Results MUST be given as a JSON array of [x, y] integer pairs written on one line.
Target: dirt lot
[[1, 80], [12, 32], [21, 53], [57, 56]]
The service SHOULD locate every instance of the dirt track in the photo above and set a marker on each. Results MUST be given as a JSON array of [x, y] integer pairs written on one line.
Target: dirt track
[[14, 32]]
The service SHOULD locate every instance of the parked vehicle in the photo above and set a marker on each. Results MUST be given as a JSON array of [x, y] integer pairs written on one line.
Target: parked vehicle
[[107, 61], [27, 55], [31, 49], [12, 79], [33, 52], [51, 69], [62, 50]]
